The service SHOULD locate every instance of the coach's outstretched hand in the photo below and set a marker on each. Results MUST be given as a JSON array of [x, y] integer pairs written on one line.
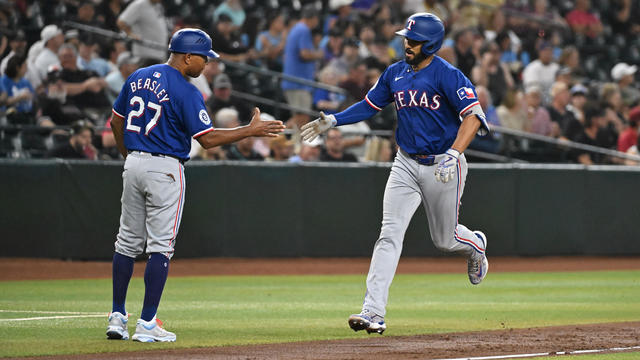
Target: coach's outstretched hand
[[446, 168], [269, 128], [312, 129]]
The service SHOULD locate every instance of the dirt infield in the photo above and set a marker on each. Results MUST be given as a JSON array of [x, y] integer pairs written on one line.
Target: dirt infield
[[436, 346], [42, 269]]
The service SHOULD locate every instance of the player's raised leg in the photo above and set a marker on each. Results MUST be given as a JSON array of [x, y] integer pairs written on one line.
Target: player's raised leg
[[401, 199], [442, 204]]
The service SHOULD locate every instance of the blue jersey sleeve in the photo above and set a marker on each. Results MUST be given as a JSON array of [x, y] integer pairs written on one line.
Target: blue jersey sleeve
[[194, 114], [380, 93], [462, 95], [120, 105]]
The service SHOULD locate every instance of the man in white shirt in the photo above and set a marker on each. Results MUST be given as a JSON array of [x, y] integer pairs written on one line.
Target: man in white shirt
[[542, 71], [52, 38], [144, 20]]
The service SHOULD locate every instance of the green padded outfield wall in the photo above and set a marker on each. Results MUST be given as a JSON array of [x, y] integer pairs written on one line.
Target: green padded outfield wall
[[71, 209]]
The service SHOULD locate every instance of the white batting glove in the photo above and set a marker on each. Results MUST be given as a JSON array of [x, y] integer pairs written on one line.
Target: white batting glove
[[446, 168], [312, 129]]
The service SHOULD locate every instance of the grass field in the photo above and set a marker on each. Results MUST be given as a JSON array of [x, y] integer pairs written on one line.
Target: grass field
[[234, 310]]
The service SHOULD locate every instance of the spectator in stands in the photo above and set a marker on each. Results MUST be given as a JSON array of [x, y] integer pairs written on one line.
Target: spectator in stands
[[582, 21], [144, 19], [281, 148], [625, 18], [226, 118], [382, 52], [243, 150], [463, 47], [127, 64], [356, 83], [350, 57], [593, 123], [85, 89], [623, 74], [542, 71], [492, 74], [88, 59], [570, 59], [270, 43], [558, 109], [629, 137], [328, 101], [108, 12], [309, 151], [300, 57], [537, 116], [222, 98], [233, 9], [611, 98], [334, 148], [543, 18], [227, 43], [85, 14], [333, 48], [366, 36], [20, 93], [52, 38], [79, 145], [53, 102], [18, 46], [510, 112], [113, 50], [578, 101], [491, 142]]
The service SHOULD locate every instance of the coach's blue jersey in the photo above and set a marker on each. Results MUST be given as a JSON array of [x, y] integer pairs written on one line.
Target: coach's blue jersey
[[162, 111], [429, 104]]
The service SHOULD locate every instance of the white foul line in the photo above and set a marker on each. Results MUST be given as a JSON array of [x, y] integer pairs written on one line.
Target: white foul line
[[52, 317], [51, 312], [575, 352]]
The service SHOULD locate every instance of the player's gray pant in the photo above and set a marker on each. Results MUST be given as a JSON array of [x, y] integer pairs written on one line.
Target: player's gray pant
[[409, 185], [152, 200]]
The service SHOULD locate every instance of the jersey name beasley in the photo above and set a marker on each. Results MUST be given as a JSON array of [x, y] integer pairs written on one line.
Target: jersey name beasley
[[430, 104]]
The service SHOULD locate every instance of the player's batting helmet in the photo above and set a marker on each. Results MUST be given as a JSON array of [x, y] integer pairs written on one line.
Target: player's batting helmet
[[192, 41], [424, 27]]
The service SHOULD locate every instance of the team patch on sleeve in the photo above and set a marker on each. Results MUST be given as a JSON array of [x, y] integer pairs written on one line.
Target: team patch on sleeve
[[204, 117], [466, 93]]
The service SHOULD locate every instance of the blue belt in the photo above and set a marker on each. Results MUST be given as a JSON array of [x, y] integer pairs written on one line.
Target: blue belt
[[423, 159]]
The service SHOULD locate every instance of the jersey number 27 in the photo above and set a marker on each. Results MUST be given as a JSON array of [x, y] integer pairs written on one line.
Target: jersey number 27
[[137, 100]]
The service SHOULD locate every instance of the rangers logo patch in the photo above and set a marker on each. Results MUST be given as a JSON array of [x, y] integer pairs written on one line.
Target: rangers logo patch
[[466, 93], [204, 117], [157, 75]]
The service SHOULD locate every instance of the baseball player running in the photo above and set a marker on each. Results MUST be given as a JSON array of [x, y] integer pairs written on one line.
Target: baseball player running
[[154, 118], [438, 116]]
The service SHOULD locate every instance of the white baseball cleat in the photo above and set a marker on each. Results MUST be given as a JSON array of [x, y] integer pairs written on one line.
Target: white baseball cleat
[[118, 326], [369, 321], [151, 331], [477, 264]]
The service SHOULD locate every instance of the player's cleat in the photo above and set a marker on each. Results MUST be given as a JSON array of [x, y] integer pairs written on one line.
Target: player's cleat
[[118, 326], [477, 264], [369, 321], [152, 331]]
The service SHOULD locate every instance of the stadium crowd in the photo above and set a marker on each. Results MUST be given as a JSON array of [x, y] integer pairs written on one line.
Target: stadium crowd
[[565, 70]]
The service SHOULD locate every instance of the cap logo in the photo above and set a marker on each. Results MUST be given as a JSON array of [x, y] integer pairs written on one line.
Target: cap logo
[[410, 23]]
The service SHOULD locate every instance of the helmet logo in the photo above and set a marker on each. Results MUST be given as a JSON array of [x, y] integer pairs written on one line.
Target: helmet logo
[[410, 23]]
